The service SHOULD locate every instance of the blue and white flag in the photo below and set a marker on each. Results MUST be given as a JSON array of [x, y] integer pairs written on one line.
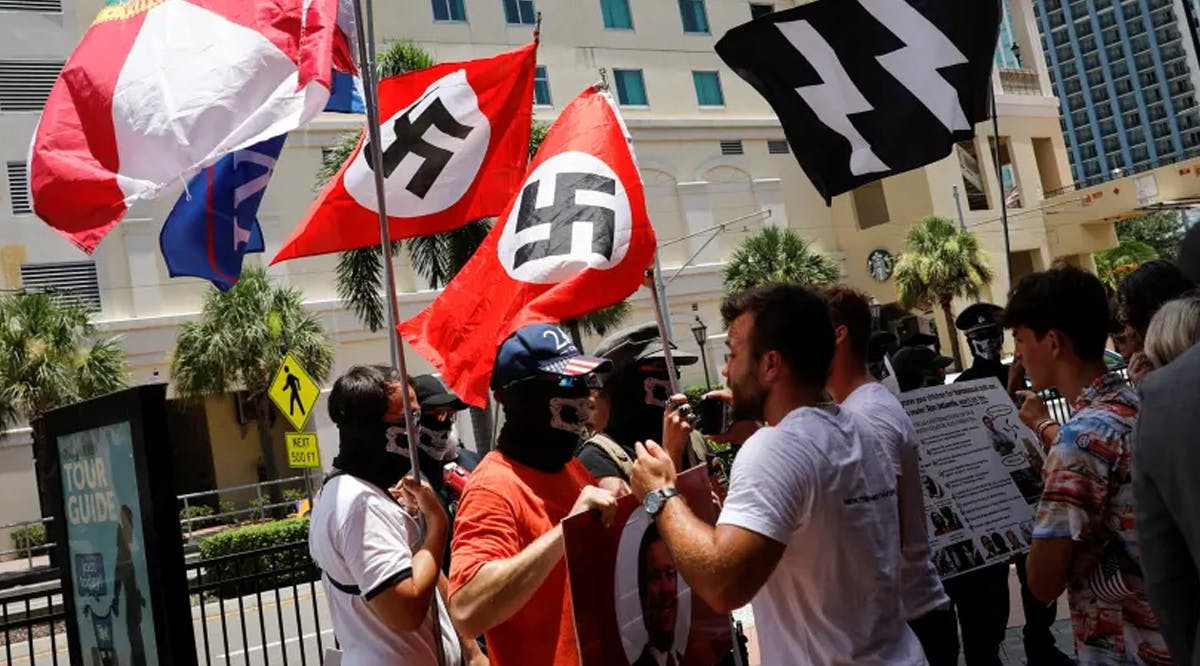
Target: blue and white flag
[[346, 95], [215, 223]]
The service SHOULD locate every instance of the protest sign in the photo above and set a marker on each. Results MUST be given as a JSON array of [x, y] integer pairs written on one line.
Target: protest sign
[[629, 600], [981, 469]]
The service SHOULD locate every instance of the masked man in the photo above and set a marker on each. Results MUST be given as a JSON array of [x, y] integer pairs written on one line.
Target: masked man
[[508, 580], [634, 396], [382, 574]]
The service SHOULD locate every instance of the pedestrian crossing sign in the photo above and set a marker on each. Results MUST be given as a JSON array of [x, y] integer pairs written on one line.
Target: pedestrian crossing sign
[[294, 392]]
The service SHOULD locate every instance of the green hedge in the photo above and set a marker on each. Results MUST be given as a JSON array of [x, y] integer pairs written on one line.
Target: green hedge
[[243, 571], [29, 537]]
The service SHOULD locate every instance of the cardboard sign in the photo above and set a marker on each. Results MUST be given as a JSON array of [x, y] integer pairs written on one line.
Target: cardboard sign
[[302, 450], [294, 392], [981, 469], [627, 595]]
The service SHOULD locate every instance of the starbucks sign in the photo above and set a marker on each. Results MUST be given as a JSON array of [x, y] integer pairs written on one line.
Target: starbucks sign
[[880, 264]]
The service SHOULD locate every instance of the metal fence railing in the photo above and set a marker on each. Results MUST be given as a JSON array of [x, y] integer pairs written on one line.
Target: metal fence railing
[[262, 606], [31, 626], [30, 539], [258, 607], [260, 507]]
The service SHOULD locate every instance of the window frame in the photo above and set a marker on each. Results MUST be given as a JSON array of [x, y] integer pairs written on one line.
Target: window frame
[[703, 13], [520, 19], [716, 76], [628, 12], [462, 4], [546, 79], [641, 74]]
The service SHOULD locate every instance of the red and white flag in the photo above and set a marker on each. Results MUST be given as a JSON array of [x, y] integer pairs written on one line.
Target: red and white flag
[[575, 238], [159, 89], [455, 145]]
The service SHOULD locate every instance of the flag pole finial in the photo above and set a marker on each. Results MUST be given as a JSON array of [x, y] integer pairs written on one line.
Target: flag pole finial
[[603, 84]]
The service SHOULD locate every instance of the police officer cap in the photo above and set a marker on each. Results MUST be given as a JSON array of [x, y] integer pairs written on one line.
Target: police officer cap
[[979, 316]]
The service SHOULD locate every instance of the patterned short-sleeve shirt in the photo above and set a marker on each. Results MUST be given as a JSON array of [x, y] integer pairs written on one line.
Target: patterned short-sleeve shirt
[[1089, 499]]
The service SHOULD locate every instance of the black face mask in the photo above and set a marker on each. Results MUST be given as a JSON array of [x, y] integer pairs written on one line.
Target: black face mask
[[639, 400], [376, 453], [543, 422]]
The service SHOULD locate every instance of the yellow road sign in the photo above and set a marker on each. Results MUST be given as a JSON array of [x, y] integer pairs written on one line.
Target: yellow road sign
[[294, 392], [302, 450]]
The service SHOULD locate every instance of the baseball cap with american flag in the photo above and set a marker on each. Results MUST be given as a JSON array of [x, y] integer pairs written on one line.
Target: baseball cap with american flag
[[542, 349]]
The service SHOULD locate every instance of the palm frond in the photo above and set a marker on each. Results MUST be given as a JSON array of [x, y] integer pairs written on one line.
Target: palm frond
[[49, 357], [401, 57], [233, 345], [605, 320], [940, 262], [777, 254]]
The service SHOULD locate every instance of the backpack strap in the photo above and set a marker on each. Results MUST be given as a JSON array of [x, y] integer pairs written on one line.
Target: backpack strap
[[618, 455]]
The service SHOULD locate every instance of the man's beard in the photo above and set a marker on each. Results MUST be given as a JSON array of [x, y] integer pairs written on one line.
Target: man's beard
[[749, 399]]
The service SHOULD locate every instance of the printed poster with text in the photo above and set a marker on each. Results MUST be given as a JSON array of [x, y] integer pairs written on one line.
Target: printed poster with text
[[981, 469], [104, 541]]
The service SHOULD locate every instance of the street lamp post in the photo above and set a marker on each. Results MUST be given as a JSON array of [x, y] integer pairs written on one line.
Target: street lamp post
[[700, 331]]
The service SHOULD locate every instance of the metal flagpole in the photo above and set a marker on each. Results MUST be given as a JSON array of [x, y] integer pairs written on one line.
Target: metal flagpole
[[1000, 187], [366, 65], [654, 275]]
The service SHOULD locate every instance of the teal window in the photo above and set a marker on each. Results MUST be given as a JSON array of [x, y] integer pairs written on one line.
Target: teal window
[[708, 88], [449, 10], [519, 12], [631, 87], [695, 18], [541, 86], [616, 14]]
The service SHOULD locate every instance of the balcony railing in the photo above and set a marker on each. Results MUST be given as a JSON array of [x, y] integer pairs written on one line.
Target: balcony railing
[[1020, 82]]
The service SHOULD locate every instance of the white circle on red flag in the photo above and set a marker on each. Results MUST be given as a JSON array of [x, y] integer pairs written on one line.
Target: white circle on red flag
[[445, 139], [572, 213]]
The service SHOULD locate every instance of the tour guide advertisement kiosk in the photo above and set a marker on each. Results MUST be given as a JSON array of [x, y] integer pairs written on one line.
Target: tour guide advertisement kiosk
[[107, 463]]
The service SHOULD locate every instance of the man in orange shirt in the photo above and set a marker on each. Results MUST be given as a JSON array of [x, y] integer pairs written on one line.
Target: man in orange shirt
[[508, 580]]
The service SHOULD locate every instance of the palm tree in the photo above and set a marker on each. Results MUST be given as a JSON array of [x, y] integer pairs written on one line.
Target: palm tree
[[1113, 264], [598, 323], [777, 255], [51, 356], [941, 262], [239, 341]]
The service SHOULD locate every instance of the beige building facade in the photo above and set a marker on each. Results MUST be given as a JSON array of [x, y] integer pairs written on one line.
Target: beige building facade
[[703, 164]]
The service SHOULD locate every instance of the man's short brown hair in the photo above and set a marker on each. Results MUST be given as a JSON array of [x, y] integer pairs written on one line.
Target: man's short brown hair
[[851, 308]]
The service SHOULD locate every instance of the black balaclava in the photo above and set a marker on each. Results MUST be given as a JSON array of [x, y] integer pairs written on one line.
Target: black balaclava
[[639, 400], [376, 453], [987, 344], [543, 421]]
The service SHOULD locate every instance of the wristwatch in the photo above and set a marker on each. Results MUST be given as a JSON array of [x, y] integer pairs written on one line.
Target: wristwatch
[[657, 499]]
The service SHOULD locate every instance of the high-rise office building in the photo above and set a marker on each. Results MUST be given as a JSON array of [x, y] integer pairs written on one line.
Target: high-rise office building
[[1126, 74]]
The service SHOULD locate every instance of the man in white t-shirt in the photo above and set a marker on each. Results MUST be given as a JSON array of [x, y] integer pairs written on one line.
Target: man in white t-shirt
[[809, 532], [382, 578], [927, 607]]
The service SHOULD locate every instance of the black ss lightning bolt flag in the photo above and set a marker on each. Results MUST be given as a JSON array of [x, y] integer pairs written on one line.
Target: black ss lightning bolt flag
[[866, 89]]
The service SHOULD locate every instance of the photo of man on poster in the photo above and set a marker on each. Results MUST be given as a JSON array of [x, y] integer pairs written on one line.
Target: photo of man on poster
[[658, 591]]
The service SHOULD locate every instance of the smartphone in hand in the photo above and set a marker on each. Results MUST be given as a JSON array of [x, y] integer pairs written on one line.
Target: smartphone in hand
[[715, 417]]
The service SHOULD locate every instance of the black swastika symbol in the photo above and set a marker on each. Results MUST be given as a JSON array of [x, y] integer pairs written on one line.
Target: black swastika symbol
[[563, 214], [410, 138]]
